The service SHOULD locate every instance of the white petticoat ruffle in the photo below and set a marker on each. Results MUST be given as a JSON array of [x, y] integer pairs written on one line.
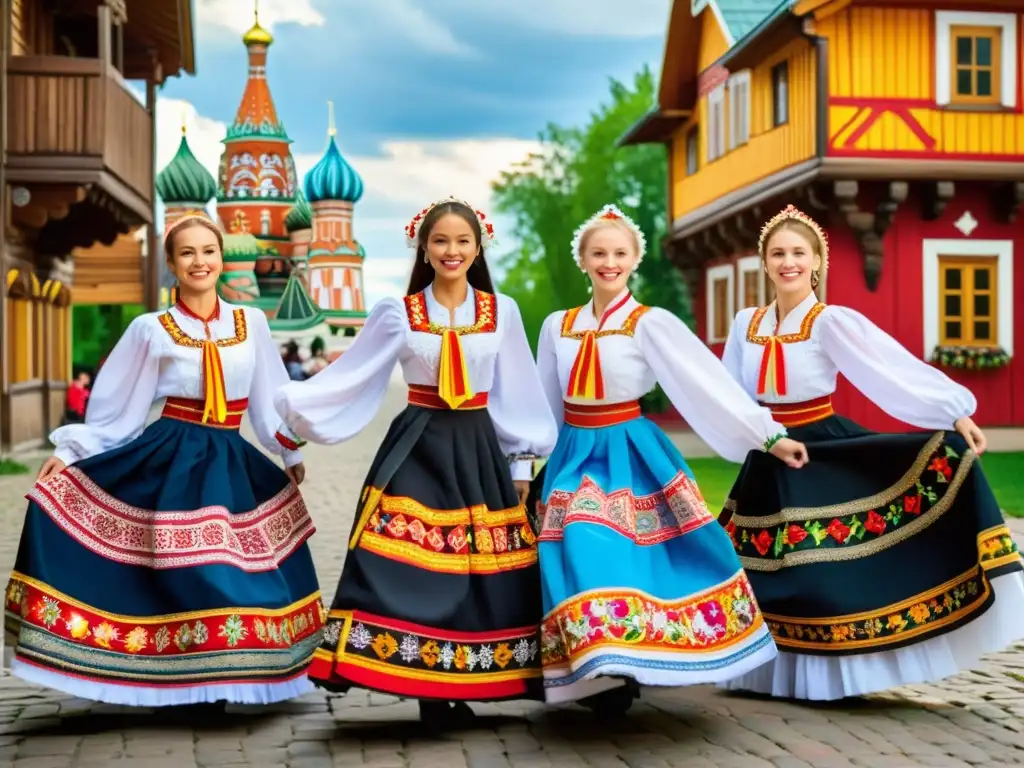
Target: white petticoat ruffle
[[828, 678]]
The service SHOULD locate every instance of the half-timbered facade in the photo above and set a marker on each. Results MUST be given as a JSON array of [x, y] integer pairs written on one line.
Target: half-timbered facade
[[77, 180], [899, 125]]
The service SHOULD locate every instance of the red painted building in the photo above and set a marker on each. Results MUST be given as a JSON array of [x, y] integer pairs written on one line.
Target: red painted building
[[899, 127]]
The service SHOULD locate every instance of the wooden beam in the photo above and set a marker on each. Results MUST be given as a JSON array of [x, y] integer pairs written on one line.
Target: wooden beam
[[152, 276], [1008, 200], [937, 195], [869, 227]]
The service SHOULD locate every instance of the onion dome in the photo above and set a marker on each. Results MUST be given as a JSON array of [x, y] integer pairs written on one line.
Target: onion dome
[[296, 311], [301, 214], [184, 180], [333, 178], [241, 247], [257, 35]]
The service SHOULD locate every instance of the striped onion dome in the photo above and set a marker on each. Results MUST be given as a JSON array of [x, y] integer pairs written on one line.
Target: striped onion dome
[[333, 178], [184, 180]]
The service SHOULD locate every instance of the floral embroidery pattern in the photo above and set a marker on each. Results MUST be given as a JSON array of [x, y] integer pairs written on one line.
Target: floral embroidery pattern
[[182, 339], [922, 614], [201, 632], [777, 542], [676, 510], [428, 650], [474, 540], [628, 326], [252, 541], [715, 619], [486, 319], [997, 549]]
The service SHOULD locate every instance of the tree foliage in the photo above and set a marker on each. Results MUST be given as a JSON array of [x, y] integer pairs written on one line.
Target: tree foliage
[[578, 171]]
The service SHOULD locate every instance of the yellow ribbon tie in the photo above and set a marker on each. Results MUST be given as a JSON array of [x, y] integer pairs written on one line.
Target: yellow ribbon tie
[[453, 378], [216, 399], [585, 379]]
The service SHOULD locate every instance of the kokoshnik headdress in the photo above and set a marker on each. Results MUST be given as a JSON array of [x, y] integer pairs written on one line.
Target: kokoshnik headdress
[[172, 226], [792, 213], [610, 212], [412, 229]]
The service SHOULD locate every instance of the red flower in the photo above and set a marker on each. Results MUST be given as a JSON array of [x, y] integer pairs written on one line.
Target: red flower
[[875, 523], [941, 465], [912, 505], [838, 530], [617, 629], [596, 621], [795, 534], [672, 615], [618, 608], [762, 542]]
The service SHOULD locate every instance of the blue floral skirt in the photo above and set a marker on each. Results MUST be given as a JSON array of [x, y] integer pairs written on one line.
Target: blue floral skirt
[[638, 581], [172, 570]]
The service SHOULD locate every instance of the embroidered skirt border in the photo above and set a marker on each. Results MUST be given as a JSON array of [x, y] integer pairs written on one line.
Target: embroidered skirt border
[[233, 644]]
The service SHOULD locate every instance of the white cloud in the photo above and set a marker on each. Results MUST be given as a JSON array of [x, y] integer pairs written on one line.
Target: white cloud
[[407, 18], [408, 175], [237, 15]]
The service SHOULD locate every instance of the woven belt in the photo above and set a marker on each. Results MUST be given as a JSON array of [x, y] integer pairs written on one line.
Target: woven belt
[[798, 414], [186, 409], [604, 415], [428, 397]]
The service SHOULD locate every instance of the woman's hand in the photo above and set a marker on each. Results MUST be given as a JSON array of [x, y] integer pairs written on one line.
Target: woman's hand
[[52, 466], [297, 473], [523, 489], [972, 433], [791, 452]]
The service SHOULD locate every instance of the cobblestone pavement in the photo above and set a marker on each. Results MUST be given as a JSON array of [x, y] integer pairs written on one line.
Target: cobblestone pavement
[[975, 719]]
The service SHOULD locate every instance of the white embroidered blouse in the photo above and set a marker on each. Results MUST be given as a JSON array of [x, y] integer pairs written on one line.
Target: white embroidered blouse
[[642, 346], [819, 342], [340, 401], [159, 356]]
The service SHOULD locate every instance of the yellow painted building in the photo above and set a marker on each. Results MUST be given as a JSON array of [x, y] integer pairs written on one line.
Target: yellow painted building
[[899, 125]]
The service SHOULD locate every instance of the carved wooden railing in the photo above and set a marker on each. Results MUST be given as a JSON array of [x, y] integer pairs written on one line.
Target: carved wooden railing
[[76, 114]]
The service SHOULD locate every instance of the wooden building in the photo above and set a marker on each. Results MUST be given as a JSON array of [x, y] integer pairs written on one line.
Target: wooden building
[[899, 126], [76, 179]]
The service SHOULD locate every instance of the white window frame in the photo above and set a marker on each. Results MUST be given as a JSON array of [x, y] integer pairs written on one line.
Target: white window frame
[[1002, 250], [714, 147], [712, 276], [744, 266], [739, 119], [944, 20]]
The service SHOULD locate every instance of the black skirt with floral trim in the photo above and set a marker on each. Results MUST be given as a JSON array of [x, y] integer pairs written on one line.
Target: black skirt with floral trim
[[439, 597], [879, 542]]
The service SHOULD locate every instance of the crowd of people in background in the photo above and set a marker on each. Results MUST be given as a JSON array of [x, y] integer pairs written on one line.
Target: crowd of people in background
[[300, 369]]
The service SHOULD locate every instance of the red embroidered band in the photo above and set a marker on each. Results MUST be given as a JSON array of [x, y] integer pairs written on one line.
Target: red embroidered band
[[429, 397], [185, 409], [604, 415], [798, 414]]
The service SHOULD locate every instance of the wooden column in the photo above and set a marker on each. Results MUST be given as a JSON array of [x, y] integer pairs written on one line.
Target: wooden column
[[5, 47], [151, 291]]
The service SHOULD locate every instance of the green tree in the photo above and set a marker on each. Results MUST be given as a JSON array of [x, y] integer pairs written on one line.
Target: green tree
[[578, 171]]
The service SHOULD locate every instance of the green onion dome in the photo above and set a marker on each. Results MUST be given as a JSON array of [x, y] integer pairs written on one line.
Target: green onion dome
[[184, 181]]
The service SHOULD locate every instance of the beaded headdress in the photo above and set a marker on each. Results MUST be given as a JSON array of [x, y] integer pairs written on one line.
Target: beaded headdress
[[791, 212], [412, 229], [610, 212]]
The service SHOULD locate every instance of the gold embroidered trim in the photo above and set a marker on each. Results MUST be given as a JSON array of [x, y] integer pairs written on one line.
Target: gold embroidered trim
[[486, 318], [790, 338], [628, 326], [835, 555], [182, 339], [444, 562], [799, 514]]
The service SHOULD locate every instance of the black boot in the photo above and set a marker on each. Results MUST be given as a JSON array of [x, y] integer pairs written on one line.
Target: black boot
[[614, 702]]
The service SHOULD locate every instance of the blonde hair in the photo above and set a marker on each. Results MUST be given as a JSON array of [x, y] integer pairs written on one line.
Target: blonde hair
[[605, 224]]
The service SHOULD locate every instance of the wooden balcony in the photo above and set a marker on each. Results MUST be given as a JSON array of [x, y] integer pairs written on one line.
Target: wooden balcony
[[73, 121]]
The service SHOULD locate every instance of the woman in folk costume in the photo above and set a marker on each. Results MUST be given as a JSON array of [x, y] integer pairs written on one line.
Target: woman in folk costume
[[886, 561], [438, 596], [168, 565], [638, 581]]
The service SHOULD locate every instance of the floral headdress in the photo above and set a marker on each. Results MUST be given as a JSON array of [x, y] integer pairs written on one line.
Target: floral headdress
[[792, 213], [173, 226], [608, 213], [412, 229]]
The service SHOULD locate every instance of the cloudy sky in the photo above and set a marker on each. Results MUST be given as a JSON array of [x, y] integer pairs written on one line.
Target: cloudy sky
[[428, 103]]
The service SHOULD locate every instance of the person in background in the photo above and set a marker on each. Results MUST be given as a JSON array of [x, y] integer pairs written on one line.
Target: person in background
[[293, 362], [318, 358], [77, 398]]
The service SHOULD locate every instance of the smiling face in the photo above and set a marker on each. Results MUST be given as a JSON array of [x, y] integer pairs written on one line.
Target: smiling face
[[197, 259], [452, 246], [609, 257], [790, 258]]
